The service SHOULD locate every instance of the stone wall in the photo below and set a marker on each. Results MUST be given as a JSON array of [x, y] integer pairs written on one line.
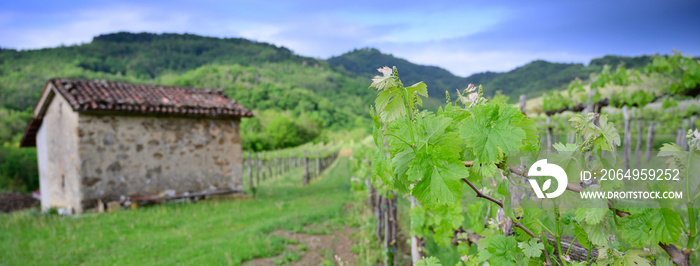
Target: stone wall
[[57, 156], [148, 155]]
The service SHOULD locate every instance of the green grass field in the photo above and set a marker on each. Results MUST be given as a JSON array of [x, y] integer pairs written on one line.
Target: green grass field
[[206, 232]]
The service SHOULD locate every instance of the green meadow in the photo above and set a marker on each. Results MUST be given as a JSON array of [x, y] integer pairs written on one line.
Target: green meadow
[[205, 232]]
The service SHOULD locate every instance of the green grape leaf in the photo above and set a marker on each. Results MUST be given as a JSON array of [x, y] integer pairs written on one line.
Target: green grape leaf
[[434, 127], [428, 261], [401, 162], [568, 147], [446, 147], [377, 133], [652, 225], [398, 135], [666, 226], [530, 128], [446, 219], [532, 249], [634, 257], [441, 184], [379, 168], [479, 170], [670, 149], [635, 227], [610, 137], [591, 215], [492, 129], [453, 111], [418, 168], [390, 105], [635, 236], [420, 89], [596, 234], [501, 249], [581, 236], [663, 261]]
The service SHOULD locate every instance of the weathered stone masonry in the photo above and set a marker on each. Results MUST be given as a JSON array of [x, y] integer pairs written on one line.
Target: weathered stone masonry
[[130, 155]]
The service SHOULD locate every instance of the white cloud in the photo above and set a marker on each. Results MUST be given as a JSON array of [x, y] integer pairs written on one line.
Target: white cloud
[[318, 36], [464, 63], [85, 24]]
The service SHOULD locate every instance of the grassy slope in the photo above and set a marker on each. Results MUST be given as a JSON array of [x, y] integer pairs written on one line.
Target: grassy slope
[[209, 232]]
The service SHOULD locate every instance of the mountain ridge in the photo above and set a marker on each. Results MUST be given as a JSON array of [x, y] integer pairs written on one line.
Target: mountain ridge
[[532, 79]]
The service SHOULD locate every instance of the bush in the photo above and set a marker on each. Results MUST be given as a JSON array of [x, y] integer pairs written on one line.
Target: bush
[[18, 168]]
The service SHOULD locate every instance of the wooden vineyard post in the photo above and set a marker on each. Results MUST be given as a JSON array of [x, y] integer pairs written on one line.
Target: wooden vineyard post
[[680, 137], [250, 171], [626, 149], [318, 164], [258, 169], [389, 217], [279, 163], [650, 141], [416, 243], [380, 217], [638, 147], [571, 137], [387, 230], [321, 161], [288, 162], [268, 160], [261, 159], [549, 133], [693, 119], [283, 163], [371, 199], [306, 168], [523, 102], [273, 164], [395, 228], [276, 164], [263, 172]]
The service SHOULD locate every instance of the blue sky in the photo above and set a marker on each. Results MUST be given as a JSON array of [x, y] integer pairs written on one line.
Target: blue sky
[[464, 37]]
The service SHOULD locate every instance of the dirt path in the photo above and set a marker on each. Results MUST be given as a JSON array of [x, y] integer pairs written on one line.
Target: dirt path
[[313, 249]]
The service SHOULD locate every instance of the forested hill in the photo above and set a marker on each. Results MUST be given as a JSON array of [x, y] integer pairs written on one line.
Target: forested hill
[[364, 62], [126, 56], [532, 79], [147, 57]]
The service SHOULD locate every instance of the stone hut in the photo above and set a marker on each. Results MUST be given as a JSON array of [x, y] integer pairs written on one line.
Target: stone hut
[[101, 141]]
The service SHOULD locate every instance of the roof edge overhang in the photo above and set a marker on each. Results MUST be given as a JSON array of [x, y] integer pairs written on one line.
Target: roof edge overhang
[[47, 95], [29, 137]]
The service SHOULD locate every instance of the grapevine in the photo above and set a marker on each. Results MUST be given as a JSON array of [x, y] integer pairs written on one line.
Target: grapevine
[[456, 163]]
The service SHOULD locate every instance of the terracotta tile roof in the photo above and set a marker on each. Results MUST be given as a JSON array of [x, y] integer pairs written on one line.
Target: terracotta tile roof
[[122, 97], [111, 97]]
